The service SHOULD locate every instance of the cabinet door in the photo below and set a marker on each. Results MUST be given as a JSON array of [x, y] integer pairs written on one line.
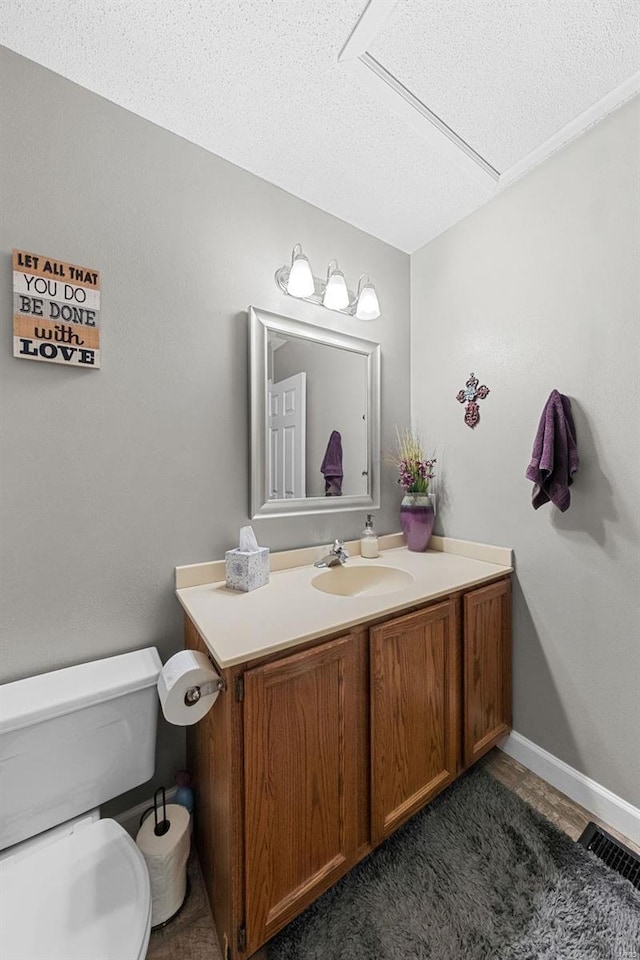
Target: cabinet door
[[415, 708], [487, 668], [304, 740]]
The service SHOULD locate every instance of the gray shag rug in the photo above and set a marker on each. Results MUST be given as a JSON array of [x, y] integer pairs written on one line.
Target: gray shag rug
[[477, 875]]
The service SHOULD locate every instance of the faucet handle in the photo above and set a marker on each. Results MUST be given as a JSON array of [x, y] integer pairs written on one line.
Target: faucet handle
[[339, 550]]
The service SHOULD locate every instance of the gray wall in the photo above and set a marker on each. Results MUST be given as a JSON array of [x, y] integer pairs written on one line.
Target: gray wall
[[111, 478], [540, 289]]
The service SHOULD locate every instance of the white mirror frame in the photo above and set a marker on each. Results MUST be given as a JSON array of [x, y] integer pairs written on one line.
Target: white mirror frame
[[260, 324]]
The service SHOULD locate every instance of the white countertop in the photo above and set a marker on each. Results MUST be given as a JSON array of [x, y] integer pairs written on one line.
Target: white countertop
[[239, 627]]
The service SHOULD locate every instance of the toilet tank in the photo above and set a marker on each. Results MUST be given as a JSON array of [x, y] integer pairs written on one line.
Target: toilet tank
[[74, 738]]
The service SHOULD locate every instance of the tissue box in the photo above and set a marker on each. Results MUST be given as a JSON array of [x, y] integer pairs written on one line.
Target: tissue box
[[247, 569]]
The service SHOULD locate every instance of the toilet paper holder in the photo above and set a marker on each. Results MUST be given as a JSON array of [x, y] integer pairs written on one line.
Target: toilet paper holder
[[195, 693]]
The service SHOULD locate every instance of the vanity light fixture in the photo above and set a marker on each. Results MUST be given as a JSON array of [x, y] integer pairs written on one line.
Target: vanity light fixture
[[367, 306], [298, 281], [336, 295]]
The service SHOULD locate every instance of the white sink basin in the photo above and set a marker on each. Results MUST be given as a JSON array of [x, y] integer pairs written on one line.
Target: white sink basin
[[361, 581]]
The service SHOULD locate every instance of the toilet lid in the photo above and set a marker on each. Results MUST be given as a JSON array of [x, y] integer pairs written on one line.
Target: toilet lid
[[84, 897]]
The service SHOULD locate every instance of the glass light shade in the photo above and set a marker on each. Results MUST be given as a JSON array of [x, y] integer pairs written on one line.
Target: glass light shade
[[368, 307], [336, 295], [300, 282]]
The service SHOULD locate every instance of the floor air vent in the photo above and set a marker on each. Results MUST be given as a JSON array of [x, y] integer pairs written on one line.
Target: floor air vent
[[612, 852]]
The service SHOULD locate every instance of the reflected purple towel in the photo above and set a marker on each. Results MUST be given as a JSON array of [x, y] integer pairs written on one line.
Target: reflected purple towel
[[332, 466], [554, 458]]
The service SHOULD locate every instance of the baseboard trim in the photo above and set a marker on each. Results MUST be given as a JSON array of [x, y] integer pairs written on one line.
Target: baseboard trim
[[595, 798]]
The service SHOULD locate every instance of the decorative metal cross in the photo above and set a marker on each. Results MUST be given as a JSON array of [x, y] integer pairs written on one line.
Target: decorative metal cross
[[470, 395]]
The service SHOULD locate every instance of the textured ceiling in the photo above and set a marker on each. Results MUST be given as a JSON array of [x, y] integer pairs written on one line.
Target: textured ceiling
[[259, 83], [506, 76]]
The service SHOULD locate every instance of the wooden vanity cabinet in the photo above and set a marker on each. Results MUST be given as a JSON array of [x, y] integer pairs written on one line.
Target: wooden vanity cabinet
[[415, 707], [311, 758], [487, 668], [305, 740]]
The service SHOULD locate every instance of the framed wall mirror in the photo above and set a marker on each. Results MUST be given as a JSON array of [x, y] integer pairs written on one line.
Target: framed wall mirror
[[315, 418]]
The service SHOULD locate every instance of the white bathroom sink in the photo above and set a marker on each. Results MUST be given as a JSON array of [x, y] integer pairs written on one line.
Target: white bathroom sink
[[361, 581]]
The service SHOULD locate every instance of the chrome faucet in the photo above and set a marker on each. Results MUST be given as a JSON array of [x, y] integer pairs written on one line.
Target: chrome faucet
[[336, 556]]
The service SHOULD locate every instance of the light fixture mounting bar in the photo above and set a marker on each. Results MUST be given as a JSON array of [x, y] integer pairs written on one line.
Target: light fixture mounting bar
[[282, 278]]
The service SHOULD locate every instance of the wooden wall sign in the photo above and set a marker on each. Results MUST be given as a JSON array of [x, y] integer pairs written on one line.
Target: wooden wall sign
[[56, 311]]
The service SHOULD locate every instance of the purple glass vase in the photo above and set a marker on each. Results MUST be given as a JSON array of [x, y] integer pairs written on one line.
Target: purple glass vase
[[417, 519]]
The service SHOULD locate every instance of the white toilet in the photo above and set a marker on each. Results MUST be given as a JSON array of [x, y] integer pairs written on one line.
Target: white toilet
[[72, 886]]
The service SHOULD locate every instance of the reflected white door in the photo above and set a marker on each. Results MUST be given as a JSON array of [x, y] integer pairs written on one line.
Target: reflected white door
[[287, 437]]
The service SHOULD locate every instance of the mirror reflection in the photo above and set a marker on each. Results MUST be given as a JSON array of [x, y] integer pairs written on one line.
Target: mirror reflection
[[317, 419]]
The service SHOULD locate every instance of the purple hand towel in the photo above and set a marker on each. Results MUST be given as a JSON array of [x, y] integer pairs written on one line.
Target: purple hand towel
[[332, 466], [554, 458]]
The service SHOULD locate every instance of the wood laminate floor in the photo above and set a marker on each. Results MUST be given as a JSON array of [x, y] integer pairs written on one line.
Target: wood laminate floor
[[555, 806], [191, 936]]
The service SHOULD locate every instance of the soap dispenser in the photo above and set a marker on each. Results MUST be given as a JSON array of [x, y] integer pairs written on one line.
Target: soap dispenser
[[369, 540]]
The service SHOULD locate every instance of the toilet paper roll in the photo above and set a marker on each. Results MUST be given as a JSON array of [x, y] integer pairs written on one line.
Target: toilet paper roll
[[166, 858], [178, 680]]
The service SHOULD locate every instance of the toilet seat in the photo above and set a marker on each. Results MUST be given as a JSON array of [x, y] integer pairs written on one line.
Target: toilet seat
[[85, 897]]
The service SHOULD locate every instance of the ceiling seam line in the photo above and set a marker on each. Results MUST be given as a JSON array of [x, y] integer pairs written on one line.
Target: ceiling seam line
[[398, 87]]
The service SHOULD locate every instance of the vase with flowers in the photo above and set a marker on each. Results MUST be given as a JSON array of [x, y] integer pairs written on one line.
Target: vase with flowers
[[415, 470]]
